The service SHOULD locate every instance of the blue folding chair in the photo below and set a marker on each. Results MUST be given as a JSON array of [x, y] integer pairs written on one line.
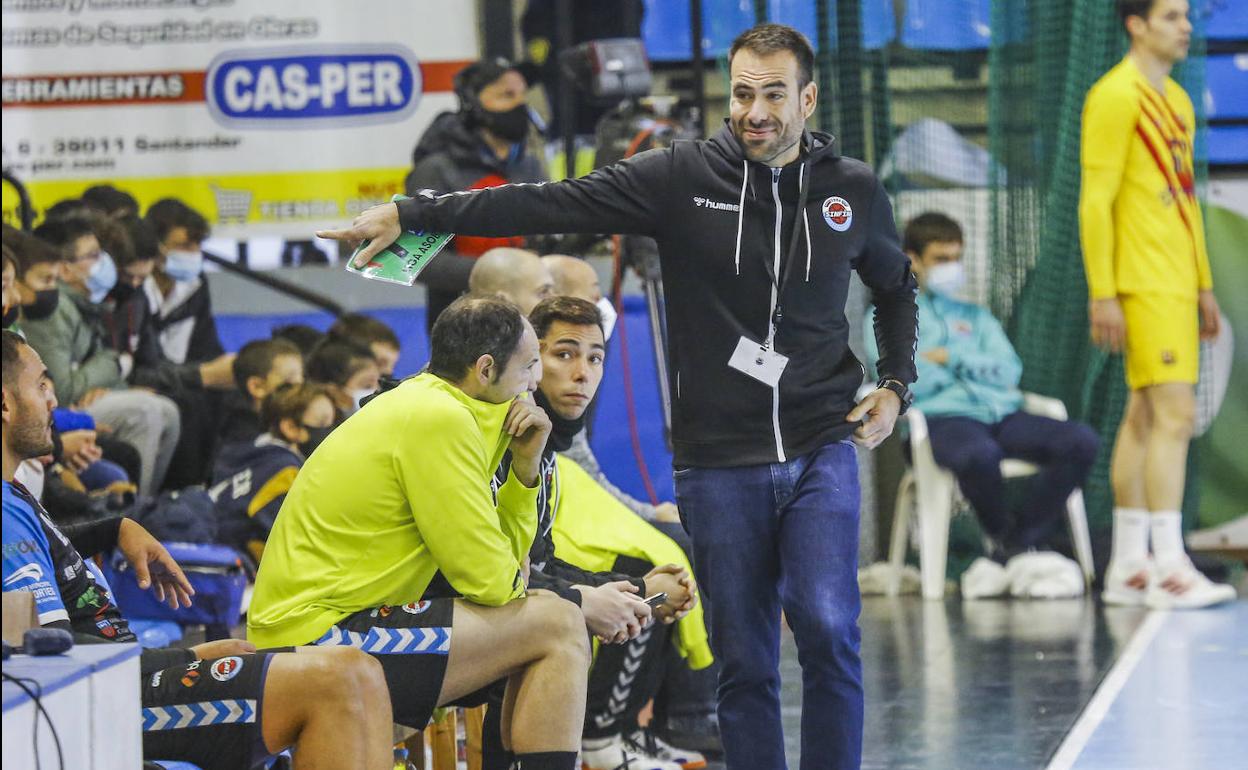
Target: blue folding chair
[[1224, 19], [879, 24], [947, 25], [1226, 86], [1228, 145]]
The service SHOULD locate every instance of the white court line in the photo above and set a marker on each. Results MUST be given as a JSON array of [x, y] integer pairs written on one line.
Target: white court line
[[1107, 693]]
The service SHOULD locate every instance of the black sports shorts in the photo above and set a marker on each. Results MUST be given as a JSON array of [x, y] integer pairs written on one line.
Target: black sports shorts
[[207, 712], [412, 642]]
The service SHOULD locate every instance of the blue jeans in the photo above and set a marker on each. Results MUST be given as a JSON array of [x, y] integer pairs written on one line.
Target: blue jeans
[[772, 537]]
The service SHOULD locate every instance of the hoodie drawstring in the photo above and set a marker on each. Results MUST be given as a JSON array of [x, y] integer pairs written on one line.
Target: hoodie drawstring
[[745, 180]]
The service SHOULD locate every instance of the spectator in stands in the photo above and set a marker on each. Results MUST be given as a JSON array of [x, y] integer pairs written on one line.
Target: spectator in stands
[[251, 478], [303, 336], [573, 349], [483, 144], [330, 703], [365, 528], [517, 275], [130, 325], [685, 710], [368, 332], [177, 290], [63, 326], [348, 370], [110, 201], [262, 366], [69, 207], [968, 389]]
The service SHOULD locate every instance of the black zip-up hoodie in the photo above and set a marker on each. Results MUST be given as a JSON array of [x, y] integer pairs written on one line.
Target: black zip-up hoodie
[[714, 216]]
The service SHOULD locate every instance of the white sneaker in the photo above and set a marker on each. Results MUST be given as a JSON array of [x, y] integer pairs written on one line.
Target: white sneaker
[[1044, 575], [650, 743], [615, 753], [1180, 586], [984, 579], [1126, 585]]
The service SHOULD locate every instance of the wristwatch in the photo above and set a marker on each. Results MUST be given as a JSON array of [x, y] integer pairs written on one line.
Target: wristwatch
[[898, 387]]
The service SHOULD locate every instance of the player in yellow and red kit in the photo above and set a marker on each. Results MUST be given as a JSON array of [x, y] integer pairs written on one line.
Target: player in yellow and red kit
[[1151, 294]]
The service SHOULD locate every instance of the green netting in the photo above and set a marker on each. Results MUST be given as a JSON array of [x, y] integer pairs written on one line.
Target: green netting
[[1017, 99], [1037, 83]]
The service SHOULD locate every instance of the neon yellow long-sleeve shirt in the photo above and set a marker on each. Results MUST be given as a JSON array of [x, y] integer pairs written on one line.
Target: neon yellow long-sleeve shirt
[[396, 493], [1139, 222]]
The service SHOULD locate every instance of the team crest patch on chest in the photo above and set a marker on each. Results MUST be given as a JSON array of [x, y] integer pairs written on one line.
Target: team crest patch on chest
[[838, 213]]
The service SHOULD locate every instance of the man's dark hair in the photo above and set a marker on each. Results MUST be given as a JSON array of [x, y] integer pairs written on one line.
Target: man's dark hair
[[143, 241], [472, 327], [108, 200], [766, 39], [9, 257], [931, 227], [363, 330], [334, 362], [255, 359], [63, 233], [68, 207], [289, 402], [169, 213], [1129, 8], [29, 250], [12, 351], [569, 310], [303, 336]]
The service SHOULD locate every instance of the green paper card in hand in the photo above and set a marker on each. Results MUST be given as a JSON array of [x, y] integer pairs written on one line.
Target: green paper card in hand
[[402, 261]]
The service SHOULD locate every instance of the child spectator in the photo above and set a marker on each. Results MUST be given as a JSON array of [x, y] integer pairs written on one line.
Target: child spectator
[[370, 333], [262, 366], [303, 336], [250, 479], [350, 372]]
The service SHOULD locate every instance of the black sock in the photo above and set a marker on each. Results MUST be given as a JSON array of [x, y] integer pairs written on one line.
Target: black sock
[[546, 760]]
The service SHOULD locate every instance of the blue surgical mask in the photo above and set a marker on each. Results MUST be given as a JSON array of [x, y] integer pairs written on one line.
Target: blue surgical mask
[[102, 278], [184, 265], [946, 279]]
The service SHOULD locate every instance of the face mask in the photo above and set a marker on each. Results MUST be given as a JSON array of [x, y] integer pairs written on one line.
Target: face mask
[[315, 437], [947, 279], [184, 265], [44, 305], [511, 125], [609, 317], [10, 316], [357, 396], [103, 277]]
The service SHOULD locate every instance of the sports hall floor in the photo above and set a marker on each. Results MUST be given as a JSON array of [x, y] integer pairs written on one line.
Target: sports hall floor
[[1067, 685]]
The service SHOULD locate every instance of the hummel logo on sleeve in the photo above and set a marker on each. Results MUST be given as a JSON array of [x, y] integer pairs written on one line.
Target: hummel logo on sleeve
[[701, 202]]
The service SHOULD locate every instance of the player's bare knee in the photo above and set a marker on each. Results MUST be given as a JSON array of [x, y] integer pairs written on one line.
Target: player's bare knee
[[338, 677], [559, 626]]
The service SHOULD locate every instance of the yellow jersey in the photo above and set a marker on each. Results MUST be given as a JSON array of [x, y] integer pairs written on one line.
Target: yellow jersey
[[397, 492], [1139, 221]]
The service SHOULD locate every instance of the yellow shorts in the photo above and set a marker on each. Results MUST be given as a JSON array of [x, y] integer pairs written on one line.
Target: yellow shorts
[[1163, 339]]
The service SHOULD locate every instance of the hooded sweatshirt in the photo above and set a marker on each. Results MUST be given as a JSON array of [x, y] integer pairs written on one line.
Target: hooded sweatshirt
[[742, 245]]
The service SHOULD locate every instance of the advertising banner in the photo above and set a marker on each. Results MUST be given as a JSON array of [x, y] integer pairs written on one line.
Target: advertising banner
[[269, 117]]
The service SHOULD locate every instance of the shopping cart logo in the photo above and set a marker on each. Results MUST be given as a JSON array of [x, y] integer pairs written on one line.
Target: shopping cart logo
[[232, 205]]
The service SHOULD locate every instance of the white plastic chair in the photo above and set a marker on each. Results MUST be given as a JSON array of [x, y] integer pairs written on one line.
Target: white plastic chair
[[932, 492]]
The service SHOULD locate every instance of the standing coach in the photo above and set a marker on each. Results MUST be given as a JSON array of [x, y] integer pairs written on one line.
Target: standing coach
[[758, 229]]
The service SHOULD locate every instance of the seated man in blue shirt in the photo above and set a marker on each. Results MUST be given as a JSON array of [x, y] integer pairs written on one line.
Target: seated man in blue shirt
[[968, 390]]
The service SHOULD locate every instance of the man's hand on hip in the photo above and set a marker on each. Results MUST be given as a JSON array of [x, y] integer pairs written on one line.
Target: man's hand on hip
[[379, 225], [529, 426], [1109, 327], [878, 412]]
